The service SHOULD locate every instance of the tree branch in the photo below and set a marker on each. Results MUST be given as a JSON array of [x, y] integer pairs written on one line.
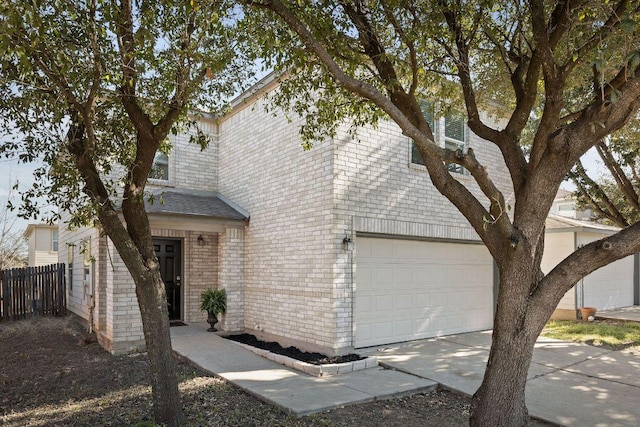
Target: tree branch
[[625, 186], [589, 189], [588, 259], [513, 155], [127, 49]]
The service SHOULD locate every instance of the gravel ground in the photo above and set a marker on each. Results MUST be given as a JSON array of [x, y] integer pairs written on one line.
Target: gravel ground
[[52, 375]]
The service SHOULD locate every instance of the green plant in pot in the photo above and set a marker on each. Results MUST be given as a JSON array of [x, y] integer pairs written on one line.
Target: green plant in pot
[[214, 302]]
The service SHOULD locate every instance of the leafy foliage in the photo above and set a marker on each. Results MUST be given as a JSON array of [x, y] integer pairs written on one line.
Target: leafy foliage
[[64, 58], [614, 196], [214, 301], [560, 76]]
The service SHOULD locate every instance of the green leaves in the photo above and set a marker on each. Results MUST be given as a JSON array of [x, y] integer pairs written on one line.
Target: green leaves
[[60, 64]]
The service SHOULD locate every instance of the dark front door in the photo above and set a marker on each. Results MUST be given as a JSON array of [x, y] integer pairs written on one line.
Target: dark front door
[[169, 257]]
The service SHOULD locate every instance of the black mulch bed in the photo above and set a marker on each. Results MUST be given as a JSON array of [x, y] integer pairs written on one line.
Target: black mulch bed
[[293, 352]]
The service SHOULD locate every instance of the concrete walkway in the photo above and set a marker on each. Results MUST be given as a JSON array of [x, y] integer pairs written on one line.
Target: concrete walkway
[[294, 391], [569, 384], [631, 314]]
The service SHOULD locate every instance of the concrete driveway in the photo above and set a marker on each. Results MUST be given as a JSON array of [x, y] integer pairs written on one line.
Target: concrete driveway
[[570, 384]]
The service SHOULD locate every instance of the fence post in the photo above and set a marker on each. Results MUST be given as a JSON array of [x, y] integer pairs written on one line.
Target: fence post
[[6, 296]]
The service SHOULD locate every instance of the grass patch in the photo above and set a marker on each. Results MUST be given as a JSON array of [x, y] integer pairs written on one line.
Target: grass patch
[[602, 333]]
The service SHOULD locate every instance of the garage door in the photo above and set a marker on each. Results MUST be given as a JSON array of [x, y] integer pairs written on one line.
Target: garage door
[[408, 290], [611, 286]]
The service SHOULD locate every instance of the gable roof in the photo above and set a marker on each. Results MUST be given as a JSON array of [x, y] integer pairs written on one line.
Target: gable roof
[[563, 194], [195, 203]]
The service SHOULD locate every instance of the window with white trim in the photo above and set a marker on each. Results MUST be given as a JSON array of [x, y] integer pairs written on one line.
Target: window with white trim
[[54, 240], [160, 168], [449, 132]]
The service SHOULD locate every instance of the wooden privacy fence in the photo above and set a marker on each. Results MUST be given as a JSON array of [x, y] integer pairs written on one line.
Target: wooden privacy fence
[[32, 291]]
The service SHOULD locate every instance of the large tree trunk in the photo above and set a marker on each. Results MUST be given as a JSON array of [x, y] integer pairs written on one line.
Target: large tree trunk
[[500, 400], [155, 321], [152, 301]]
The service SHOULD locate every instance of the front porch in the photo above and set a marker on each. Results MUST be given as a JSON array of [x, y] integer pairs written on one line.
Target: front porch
[[199, 241]]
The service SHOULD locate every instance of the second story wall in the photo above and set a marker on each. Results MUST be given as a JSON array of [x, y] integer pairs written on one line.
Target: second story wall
[[379, 189], [289, 246], [43, 244], [188, 165]]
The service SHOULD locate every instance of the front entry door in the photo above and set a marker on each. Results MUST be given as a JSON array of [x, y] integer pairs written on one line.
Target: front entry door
[[169, 257]]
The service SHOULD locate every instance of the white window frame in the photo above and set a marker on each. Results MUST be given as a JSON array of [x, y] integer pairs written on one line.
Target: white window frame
[[169, 169], [439, 135], [55, 240]]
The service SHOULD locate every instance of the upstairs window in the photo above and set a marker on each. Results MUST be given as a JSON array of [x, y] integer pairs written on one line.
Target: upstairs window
[[454, 137], [448, 132], [54, 240], [160, 168]]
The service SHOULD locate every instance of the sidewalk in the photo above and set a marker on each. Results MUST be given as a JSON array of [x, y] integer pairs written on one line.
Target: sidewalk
[[631, 314], [570, 384], [294, 391]]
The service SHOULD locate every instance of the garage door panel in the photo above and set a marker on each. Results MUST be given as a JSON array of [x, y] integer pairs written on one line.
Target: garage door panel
[[423, 300], [364, 305], [454, 299], [439, 299], [382, 252], [611, 286], [404, 301], [382, 276], [412, 289], [383, 303], [437, 276], [382, 330], [403, 327], [403, 276]]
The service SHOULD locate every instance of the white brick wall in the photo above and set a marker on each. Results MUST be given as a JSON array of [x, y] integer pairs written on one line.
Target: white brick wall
[[231, 277], [189, 166], [299, 282], [288, 246]]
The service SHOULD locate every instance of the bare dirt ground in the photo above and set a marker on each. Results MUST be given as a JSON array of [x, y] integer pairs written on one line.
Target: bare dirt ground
[[50, 375]]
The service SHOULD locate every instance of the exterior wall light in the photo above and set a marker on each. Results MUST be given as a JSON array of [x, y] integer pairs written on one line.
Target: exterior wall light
[[347, 243], [201, 241]]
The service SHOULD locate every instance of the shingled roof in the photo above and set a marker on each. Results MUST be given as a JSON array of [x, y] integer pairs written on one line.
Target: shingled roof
[[194, 202]]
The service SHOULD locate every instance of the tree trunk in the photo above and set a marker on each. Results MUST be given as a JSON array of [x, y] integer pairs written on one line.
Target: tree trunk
[[155, 320], [152, 301], [500, 400]]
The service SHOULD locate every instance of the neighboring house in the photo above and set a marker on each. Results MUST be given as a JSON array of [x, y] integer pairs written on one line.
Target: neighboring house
[[565, 205], [613, 286], [42, 240], [344, 246]]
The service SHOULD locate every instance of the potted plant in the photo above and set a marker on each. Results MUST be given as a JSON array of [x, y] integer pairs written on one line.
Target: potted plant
[[588, 313], [214, 302]]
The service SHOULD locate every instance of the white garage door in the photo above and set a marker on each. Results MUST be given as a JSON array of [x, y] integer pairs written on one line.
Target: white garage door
[[611, 286], [408, 290]]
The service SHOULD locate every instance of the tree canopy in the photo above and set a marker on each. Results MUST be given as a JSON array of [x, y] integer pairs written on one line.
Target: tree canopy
[[108, 65], [94, 89], [563, 74], [614, 194]]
